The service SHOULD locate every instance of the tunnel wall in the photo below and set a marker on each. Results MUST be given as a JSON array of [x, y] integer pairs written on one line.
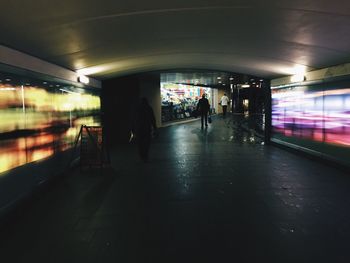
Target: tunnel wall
[[37, 137], [40, 119], [19, 183]]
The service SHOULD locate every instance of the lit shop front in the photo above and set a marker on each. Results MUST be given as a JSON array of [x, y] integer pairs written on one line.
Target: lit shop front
[[180, 101], [39, 120]]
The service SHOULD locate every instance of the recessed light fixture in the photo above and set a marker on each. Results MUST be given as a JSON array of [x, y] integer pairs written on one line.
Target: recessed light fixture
[[298, 77], [245, 86], [83, 79], [261, 80], [224, 84], [8, 79], [218, 77], [231, 78], [44, 82], [57, 85]]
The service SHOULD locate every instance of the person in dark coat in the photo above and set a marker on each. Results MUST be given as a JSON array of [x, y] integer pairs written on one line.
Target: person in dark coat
[[203, 108], [144, 122]]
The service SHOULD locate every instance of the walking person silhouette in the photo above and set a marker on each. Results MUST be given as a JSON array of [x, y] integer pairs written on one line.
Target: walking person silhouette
[[203, 108], [144, 123]]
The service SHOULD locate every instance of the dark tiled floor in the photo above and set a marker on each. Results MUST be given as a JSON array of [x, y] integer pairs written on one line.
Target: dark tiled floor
[[215, 195]]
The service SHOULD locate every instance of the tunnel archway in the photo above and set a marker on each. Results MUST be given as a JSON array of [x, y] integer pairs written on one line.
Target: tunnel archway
[[249, 95]]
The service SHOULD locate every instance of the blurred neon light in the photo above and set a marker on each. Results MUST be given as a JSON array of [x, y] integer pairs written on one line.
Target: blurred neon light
[[319, 115], [23, 105], [37, 122], [7, 89]]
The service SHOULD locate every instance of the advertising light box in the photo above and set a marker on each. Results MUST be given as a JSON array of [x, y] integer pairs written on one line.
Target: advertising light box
[[316, 117], [37, 122]]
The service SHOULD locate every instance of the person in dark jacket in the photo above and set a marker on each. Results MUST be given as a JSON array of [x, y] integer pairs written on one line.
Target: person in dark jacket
[[203, 108], [144, 124]]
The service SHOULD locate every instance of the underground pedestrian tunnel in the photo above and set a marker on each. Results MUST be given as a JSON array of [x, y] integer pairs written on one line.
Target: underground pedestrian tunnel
[[269, 182]]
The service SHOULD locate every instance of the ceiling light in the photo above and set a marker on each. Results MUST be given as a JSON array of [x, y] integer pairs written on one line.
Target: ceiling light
[[297, 77], [8, 79], [218, 77], [83, 79], [224, 84], [245, 86], [57, 85], [299, 69], [231, 78], [44, 82]]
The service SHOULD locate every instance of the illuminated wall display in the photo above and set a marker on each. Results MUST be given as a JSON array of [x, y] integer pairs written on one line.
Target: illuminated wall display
[[37, 122], [319, 114]]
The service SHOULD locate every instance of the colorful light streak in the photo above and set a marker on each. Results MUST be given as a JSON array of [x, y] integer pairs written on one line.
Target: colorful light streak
[[321, 115], [37, 123]]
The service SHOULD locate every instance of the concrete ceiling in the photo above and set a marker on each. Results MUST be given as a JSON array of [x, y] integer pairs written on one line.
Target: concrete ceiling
[[110, 38]]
